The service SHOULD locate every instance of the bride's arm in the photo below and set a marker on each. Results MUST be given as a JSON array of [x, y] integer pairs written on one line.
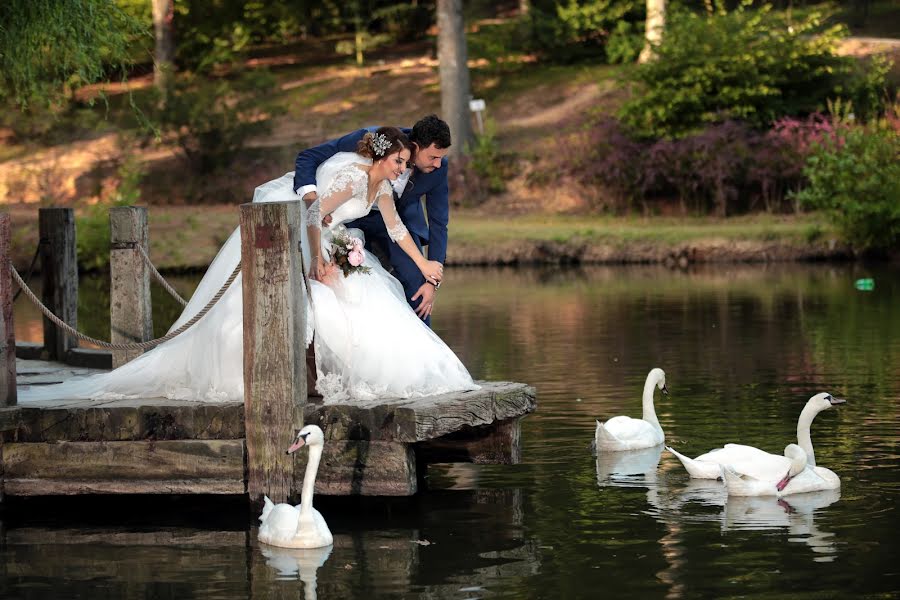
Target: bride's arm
[[431, 269], [340, 190]]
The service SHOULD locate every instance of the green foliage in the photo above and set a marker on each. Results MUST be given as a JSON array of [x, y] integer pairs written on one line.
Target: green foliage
[[50, 47], [92, 225], [211, 119], [855, 179], [403, 22], [487, 160], [747, 64], [625, 43], [580, 28]]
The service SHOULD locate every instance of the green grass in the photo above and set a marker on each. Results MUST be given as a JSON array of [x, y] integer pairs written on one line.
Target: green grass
[[479, 231]]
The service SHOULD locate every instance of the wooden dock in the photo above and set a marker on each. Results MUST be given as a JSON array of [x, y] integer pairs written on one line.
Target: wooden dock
[[161, 446]]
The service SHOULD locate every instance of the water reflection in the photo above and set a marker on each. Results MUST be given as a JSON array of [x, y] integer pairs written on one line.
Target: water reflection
[[301, 563], [632, 468], [794, 514]]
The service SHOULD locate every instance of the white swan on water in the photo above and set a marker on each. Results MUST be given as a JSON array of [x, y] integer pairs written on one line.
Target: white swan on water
[[300, 526], [754, 462], [627, 433], [799, 479]]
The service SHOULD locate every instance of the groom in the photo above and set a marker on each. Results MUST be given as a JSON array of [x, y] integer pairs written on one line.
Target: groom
[[430, 138]]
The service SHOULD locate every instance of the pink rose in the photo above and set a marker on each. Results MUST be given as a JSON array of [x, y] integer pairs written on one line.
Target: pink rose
[[357, 244], [356, 257]]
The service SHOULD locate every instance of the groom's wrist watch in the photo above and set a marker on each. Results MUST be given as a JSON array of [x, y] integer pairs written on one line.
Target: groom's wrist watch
[[436, 285]]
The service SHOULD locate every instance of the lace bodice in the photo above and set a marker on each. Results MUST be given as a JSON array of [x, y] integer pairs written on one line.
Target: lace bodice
[[346, 198]]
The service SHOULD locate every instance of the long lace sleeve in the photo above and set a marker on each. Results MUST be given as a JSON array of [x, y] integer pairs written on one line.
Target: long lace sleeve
[[348, 182], [395, 227]]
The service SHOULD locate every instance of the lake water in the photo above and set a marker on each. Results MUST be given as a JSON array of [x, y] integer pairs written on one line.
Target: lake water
[[743, 348]]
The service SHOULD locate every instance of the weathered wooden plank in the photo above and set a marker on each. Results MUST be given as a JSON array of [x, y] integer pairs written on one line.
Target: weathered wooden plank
[[367, 468], [124, 420], [124, 462], [420, 419], [130, 312], [58, 487], [274, 335], [59, 272], [7, 329]]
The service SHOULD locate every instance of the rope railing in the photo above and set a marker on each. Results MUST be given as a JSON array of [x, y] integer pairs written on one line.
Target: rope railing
[[132, 346], [34, 259], [158, 276]]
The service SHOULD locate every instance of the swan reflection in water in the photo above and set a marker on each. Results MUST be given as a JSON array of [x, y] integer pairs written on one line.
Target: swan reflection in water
[[795, 513], [689, 501], [302, 563]]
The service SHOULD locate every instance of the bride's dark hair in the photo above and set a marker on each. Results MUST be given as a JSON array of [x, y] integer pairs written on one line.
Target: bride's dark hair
[[385, 140]]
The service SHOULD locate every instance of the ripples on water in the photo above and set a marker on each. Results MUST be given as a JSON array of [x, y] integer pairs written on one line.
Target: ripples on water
[[743, 349]]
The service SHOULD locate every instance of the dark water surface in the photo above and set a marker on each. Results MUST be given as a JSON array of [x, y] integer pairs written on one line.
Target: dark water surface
[[743, 349]]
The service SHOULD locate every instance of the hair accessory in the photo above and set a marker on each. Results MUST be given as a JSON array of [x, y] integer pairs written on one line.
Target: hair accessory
[[380, 144]]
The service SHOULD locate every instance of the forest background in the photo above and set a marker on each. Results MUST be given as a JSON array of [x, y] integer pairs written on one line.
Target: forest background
[[724, 131]]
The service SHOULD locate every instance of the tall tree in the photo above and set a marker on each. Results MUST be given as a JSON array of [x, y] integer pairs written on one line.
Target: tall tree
[[164, 59], [50, 47], [656, 23], [454, 72]]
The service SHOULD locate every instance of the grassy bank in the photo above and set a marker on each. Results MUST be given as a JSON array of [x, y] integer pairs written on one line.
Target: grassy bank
[[187, 238]]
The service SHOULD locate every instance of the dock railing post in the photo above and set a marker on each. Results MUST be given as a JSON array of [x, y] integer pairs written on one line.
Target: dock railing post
[[59, 272], [130, 314], [274, 344], [7, 331]]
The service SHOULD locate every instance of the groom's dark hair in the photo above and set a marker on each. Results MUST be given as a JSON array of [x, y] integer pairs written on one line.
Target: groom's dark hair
[[430, 130]]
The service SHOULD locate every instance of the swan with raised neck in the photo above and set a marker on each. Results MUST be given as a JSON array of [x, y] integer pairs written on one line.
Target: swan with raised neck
[[751, 460], [627, 433], [300, 526]]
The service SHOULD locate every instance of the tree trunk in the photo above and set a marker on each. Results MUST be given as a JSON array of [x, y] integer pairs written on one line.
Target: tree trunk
[[454, 72], [163, 64], [523, 7], [656, 23]]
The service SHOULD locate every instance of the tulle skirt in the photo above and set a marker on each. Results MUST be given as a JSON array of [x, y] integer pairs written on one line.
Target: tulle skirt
[[368, 341]]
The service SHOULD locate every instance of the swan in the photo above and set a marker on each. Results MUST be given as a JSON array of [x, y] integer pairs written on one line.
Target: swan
[[800, 478], [298, 526], [626, 433], [754, 462]]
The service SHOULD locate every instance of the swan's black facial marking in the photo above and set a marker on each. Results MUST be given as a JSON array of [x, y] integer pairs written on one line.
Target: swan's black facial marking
[[665, 390]]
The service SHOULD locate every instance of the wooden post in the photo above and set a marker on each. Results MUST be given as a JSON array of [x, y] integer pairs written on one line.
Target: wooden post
[[274, 336], [7, 331], [59, 272], [130, 314]]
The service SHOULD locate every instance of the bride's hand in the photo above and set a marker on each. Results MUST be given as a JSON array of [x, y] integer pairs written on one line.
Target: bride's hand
[[433, 271], [318, 271]]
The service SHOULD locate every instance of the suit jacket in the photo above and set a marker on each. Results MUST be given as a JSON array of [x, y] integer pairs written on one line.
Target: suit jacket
[[433, 186]]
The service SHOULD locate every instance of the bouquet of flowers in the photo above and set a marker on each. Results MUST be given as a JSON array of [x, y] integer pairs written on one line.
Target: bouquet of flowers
[[348, 254]]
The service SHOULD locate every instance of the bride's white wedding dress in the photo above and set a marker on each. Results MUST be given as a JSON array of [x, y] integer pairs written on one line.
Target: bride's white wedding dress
[[369, 343]]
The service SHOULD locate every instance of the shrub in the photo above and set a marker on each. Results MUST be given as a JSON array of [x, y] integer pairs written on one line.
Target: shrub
[[210, 119], [748, 65], [93, 224], [855, 178], [726, 168]]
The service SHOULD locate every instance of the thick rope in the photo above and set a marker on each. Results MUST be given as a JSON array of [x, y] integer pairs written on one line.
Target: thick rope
[[133, 346], [159, 278], [37, 253]]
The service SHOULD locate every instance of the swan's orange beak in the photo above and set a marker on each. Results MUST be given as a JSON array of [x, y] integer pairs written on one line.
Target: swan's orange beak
[[784, 481], [298, 443]]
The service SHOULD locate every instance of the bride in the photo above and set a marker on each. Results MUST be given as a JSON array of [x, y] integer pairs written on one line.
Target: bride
[[368, 342]]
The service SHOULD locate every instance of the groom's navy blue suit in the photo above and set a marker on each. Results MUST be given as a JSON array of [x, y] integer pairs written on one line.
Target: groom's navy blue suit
[[431, 232]]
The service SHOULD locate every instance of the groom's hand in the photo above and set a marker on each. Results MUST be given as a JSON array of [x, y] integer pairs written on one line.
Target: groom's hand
[[427, 293]]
